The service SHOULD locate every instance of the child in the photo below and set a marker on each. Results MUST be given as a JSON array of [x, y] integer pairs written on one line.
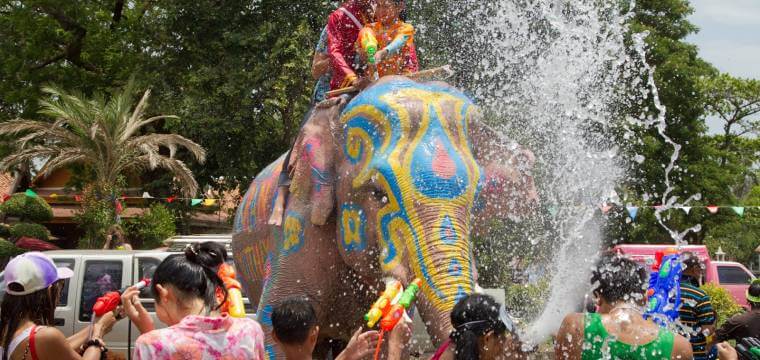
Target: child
[[295, 331], [393, 37]]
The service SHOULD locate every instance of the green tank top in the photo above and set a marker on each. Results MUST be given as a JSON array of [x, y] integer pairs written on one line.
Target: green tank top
[[597, 345]]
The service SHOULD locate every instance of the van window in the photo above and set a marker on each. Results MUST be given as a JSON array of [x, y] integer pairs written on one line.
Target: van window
[[100, 277], [733, 275], [145, 269], [68, 263]]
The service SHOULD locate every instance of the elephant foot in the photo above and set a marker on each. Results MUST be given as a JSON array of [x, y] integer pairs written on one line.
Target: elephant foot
[[277, 211]]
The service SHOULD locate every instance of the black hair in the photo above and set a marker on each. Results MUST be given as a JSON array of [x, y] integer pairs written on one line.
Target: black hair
[[473, 317], [691, 261], [619, 278], [754, 290], [402, 14], [193, 274], [293, 319], [38, 307]]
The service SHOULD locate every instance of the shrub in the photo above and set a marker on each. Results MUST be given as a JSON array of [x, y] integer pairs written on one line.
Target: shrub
[[152, 228], [27, 208], [7, 249], [722, 301], [526, 301], [5, 231], [36, 231], [94, 219]]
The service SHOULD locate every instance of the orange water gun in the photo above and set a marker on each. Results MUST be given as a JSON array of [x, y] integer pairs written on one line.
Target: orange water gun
[[369, 44], [383, 305], [234, 305]]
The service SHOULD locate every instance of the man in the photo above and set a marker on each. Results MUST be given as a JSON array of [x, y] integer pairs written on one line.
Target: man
[[696, 311], [295, 331], [343, 27], [744, 325]]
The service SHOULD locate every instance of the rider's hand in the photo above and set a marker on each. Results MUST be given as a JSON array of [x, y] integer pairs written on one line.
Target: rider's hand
[[360, 346], [398, 339], [380, 55], [130, 299]]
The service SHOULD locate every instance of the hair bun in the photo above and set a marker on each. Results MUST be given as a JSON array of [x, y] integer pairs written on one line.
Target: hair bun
[[191, 253]]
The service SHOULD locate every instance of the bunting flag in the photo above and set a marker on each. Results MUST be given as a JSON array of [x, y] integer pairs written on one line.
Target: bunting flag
[[686, 209], [195, 202], [712, 209], [118, 208], [632, 211], [739, 210], [53, 195], [6, 197], [209, 202], [605, 208], [78, 198], [659, 207], [30, 193], [171, 199], [146, 195]]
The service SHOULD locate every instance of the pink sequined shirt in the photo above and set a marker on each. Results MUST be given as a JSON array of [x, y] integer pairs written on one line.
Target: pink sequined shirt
[[204, 338]]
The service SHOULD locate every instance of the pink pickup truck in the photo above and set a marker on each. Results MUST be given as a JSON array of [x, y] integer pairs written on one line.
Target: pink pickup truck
[[729, 275]]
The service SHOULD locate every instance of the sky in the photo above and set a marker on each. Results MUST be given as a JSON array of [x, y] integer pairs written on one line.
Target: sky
[[729, 37]]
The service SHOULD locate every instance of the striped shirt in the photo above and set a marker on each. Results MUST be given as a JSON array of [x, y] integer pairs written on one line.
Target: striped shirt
[[696, 311]]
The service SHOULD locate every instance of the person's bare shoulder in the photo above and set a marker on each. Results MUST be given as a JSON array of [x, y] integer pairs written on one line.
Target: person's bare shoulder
[[569, 337], [681, 348]]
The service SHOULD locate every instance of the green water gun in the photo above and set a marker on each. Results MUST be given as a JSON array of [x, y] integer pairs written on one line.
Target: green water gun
[[748, 349]]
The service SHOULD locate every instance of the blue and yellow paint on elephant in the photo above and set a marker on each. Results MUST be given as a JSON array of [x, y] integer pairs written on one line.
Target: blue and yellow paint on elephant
[[426, 170]]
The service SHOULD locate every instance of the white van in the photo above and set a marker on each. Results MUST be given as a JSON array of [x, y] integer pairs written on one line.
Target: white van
[[99, 271]]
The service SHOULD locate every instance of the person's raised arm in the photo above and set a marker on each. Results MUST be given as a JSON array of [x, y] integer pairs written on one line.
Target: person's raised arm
[[130, 299], [360, 346], [51, 344], [335, 43], [99, 329]]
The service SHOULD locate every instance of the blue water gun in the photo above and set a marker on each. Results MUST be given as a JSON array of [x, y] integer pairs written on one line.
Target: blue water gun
[[664, 294]]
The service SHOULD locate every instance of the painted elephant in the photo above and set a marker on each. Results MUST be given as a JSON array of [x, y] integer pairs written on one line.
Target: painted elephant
[[385, 186]]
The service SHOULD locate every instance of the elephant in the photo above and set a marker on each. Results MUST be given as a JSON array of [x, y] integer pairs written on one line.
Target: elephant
[[385, 186]]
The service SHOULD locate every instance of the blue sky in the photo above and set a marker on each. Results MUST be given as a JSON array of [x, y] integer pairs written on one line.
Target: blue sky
[[729, 36]]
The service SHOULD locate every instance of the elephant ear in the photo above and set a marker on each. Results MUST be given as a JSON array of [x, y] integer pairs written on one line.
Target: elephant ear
[[312, 165]]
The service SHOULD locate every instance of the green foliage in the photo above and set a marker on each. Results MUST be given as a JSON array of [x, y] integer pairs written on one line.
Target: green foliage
[[527, 301], [152, 228], [27, 208], [94, 219], [722, 302], [35, 231], [7, 249]]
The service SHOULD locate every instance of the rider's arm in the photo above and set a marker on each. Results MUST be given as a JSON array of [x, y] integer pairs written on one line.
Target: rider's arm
[[569, 342], [335, 45]]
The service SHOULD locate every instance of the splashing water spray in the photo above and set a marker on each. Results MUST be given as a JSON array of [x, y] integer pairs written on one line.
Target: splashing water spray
[[554, 75]]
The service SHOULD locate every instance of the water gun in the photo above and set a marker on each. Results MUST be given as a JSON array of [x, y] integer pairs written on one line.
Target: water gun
[[369, 44], [399, 309], [234, 305], [112, 299], [383, 305], [748, 349], [664, 294]]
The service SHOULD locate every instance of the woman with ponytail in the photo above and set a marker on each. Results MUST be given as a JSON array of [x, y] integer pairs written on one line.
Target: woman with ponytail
[[482, 331], [184, 288]]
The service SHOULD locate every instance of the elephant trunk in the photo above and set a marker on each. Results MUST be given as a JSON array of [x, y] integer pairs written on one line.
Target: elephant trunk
[[443, 259]]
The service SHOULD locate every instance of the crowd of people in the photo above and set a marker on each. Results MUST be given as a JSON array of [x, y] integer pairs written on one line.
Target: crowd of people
[[188, 296]]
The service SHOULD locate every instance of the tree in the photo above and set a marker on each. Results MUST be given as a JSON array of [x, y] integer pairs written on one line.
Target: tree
[[102, 134], [735, 101]]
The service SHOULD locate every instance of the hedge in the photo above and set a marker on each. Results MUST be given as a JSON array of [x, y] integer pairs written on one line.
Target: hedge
[[5, 231], [7, 249], [722, 301], [152, 228], [36, 231], [27, 208]]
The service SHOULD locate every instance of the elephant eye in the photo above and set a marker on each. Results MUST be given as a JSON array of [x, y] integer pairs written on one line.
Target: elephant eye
[[380, 195]]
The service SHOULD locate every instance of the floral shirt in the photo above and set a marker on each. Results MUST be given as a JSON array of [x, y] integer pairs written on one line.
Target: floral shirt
[[204, 338]]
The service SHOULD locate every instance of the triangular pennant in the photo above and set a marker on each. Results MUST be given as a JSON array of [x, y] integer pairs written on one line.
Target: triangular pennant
[[171, 199], [209, 202], [53, 195], [739, 210], [659, 207], [686, 209], [605, 208], [30, 193], [632, 211], [78, 198], [118, 208], [6, 197], [712, 209], [195, 202], [553, 211], [146, 195]]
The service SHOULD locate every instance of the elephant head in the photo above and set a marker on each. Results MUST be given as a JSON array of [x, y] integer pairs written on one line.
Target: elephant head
[[398, 167]]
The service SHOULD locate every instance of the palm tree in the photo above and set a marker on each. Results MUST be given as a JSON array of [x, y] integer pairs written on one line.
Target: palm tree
[[103, 134]]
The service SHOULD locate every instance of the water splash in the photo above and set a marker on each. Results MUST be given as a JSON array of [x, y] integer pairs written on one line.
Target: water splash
[[557, 76]]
